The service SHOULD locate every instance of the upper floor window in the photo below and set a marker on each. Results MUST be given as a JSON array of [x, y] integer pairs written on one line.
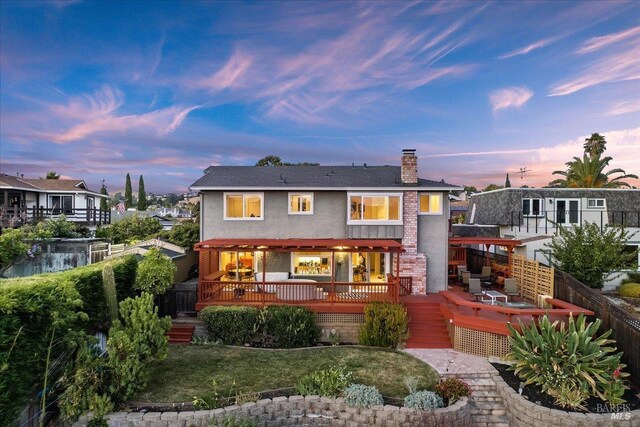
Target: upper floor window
[[532, 207], [375, 207], [595, 203], [430, 204], [61, 205], [243, 206], [300, 203]]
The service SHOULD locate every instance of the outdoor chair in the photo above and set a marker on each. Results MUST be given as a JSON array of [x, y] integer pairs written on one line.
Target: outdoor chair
[[466, 276], [511, 287], [474, 287], [461, 268]]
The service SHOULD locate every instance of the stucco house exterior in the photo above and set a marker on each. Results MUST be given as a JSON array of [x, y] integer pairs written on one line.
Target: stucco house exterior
[[26, 200], [533, 215], [373, 212]]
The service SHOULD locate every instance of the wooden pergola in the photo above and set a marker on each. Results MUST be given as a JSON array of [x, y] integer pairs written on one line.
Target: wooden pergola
[[510, 244]]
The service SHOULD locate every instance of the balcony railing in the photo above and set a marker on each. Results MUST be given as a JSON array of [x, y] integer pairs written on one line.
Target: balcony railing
[[294, 292], [15, 217], [546, 222]]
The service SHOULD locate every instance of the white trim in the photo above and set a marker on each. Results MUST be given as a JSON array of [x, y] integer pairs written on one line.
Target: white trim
[[300, 193], [243, 194], [375, 221], [399, 188], [541, 210], [568, 211], [431, 195]]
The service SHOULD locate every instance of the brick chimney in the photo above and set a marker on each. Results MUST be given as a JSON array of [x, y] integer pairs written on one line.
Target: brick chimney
[[409, 168]]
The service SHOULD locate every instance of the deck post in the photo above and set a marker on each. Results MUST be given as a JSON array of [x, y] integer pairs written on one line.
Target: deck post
[[398, 276], [264, 275], [332, 294]]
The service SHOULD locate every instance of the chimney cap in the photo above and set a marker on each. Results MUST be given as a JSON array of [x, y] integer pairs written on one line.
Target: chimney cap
[[409, 151]]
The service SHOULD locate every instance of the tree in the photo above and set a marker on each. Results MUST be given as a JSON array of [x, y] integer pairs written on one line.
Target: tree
[[142, 195], [492, 187], [52, 175], [155, 272], [272, 160], [136, 227], [470, 189], [128, 196], [104, 201], [595, 145], [590, 255], [588, 172], [507, 183], [186, 234]]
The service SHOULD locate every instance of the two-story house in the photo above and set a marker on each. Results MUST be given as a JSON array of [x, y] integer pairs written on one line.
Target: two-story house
[[329, 224], [533, 215], [27, 200]]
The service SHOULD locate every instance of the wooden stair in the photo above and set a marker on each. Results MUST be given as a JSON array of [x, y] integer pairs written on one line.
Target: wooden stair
[[427, 327], [180, 334]]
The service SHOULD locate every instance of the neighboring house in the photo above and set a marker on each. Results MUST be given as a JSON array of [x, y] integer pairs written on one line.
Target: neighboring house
[[24, 200], [166, 223], [533, 215], [174, 212], [349, 223]]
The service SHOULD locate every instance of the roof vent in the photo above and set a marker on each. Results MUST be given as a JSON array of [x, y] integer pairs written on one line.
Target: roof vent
[[353, 165]]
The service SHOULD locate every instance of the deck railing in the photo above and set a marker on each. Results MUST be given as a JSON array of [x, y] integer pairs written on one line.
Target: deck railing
[[14, 217], [295, 292], [546, 222]]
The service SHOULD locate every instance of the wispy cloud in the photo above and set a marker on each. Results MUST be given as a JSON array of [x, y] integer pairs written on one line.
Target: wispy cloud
[[596, 43], [529, 48], [509, 97], [624, 107]]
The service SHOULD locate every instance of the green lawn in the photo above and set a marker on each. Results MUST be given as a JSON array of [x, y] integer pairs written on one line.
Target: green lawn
[[189, 370]]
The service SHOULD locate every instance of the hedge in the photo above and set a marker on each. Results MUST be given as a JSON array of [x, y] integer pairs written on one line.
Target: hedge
[[31, 307]]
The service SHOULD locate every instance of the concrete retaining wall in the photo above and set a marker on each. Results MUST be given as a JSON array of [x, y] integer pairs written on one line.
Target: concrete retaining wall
[[298, 410], [522, 412]]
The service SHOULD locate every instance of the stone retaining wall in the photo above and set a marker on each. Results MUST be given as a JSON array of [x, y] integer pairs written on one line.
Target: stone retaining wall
[[523, 413], [299, 411]]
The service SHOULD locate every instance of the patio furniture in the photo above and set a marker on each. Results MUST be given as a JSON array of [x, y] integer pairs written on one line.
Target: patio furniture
[[475, 288], [492, 297], [511, 287], [460, 269], [270, 276], [466, 276]]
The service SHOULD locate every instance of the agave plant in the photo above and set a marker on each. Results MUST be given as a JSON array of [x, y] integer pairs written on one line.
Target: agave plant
[[570, 363]]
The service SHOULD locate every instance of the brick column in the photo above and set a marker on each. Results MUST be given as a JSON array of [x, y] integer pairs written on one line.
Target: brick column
[[412, 263]]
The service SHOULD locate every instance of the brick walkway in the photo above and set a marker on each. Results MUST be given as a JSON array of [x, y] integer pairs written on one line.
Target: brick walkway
[[488, 408]]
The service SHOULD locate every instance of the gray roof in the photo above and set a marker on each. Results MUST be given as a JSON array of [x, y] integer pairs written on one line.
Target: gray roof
[[308, 177]]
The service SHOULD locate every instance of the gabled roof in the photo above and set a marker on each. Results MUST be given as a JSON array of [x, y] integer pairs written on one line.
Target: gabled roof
[[309, 177], [8, 181], [45, 185]]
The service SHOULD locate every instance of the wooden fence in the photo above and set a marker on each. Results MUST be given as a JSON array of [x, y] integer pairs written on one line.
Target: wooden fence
[[533, 278], [476, 259], [626, 329]]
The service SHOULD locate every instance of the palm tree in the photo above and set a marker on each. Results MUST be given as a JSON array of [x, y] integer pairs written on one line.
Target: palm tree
[[589, 172], [52, 175], [595, 145]]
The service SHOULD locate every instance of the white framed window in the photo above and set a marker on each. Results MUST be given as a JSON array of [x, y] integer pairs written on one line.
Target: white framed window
[[595, 204], [374, 208], [532, 207], [300, 203], [430, 204], [243, 206], [61, 205]]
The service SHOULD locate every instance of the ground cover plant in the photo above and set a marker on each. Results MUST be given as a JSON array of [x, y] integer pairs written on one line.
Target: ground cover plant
[[188, 371]]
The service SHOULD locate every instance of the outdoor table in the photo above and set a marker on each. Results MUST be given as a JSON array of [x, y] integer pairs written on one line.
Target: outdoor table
[[493, 297], [241, 273]]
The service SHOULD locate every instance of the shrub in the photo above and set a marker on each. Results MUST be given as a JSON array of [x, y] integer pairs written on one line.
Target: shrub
[[155, 272], [329, 382], [136, 227], [362, 396], [385, 325], [411, 383], [452, 389], [568, 363], [423, 400], [286, 327], [630, 290], [139, 339], [632, 277], [231, 325]]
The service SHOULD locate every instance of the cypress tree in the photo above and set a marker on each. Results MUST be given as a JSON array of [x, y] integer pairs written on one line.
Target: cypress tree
[[128, 196], [142, 196], [507, 183], [104, 203]]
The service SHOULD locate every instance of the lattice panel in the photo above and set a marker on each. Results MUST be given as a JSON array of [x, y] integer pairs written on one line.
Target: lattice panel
[[533, 278], [324, 318], [480, 343]]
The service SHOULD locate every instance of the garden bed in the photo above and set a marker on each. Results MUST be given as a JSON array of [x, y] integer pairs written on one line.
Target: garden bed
[[189, 371], [534, 394]]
